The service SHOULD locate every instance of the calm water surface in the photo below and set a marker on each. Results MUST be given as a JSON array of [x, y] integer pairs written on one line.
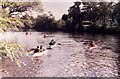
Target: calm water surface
[[71, 58]]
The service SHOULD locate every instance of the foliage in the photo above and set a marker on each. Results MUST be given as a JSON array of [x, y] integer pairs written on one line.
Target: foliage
[[116, 12], [13, 14], [10, 50], [103, 16], [45, 22]]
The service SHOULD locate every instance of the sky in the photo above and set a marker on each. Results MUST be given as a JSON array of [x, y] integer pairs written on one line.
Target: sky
[[60, 7], [57, 8]]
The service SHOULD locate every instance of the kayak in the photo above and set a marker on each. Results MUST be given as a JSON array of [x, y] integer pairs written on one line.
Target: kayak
[[93, 47], [29, 52], [38, 54], [51, 46]]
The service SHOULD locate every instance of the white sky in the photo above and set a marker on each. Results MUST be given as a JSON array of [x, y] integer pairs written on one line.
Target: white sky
[[57, 8]]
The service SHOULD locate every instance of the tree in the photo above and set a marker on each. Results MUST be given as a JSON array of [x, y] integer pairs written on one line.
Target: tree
[[75, 16], [13, 14], [116, 14], [46, 22], [100, 15]]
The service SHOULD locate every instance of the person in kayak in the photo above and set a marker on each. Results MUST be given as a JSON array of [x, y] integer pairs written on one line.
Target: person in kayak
[[52, 42], [41, 48], [44, 36], [37, 49], [92, 45]]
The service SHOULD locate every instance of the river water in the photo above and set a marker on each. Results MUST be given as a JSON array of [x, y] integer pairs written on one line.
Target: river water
[[70, 58]]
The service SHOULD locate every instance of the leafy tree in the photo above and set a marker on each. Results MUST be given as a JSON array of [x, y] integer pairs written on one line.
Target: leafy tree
[[74, 16], [13, 14], [46, 22], [116, 14], [102, 15]]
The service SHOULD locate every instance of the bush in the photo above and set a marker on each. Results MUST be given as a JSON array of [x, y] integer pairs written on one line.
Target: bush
[[10, 50]]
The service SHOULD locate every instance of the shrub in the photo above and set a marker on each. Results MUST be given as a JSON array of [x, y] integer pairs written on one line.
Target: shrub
[[11, 50]]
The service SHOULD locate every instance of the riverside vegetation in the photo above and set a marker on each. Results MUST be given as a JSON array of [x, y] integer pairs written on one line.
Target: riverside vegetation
[[13, 17]]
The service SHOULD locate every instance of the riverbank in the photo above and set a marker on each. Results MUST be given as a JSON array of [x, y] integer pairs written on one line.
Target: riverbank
[[71, 58]]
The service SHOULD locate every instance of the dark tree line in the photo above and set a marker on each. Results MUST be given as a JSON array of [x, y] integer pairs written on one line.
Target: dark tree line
[[93, 17], [47, 22], [102, 17]]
